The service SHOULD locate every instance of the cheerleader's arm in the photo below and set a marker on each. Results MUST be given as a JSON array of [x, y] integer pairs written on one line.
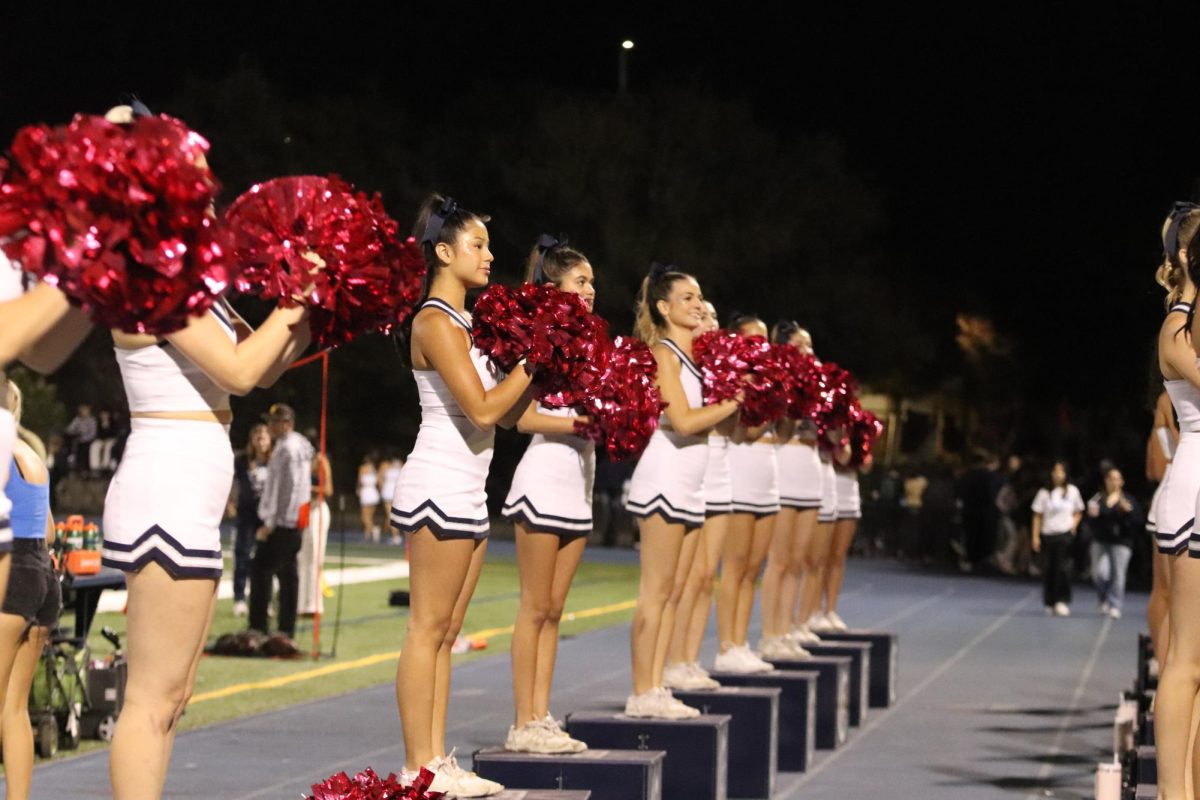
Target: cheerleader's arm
[[239, 368], [41, 329], [684, 419], [534, 421]]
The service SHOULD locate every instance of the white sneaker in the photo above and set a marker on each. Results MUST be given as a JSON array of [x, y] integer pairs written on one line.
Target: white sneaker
[[645, 704], [835, 622], [678, 676], [524, 739], [1114, 613], [1062, 610], [819, 623], [731, 661], [443, 778], [795, 649], [670, 708], [703, 679], [554, 729], [468, 784], [754, 663], [240, 609], [775, 647]]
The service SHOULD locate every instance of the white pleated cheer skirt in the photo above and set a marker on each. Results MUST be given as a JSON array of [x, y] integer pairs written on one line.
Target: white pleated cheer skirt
[[755, 471], [799, 475], [829, 500], [551, 490], [166, 502], [1175, 517], [669, 479], [718, 480], [8, 438], [1152, 514], [441, 486], [849, 502]]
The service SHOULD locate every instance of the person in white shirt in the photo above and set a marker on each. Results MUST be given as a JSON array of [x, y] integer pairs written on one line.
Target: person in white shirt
[[1057, 510], [288, 488]]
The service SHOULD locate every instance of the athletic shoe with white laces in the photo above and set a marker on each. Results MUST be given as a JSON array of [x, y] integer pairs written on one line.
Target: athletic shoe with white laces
[[670, 708], [645, 704], [1114, 613], [731, 660], [807, 636], [704, 681], [564, 740], [468, 784], [819, 623], [443, 777], [678, 676], [1062, 610], [536, 736], [795, 649], [775, 647], [835, 622], [754, 661]]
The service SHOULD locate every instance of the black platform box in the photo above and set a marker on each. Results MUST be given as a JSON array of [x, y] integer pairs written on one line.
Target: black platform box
[[1145, 733], [753, 735], [859, 654], [609, 774], [697, 749], [1146, 791], [1146, 770], [885, 657], [540, 794], [833, 695], [797, 711]]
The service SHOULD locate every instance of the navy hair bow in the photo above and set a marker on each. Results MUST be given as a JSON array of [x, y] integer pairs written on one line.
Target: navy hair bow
[[1179, 213], [433, 228], [545, 244]]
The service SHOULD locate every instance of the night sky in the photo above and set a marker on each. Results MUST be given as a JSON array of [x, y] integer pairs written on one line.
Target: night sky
[[1026, 157]]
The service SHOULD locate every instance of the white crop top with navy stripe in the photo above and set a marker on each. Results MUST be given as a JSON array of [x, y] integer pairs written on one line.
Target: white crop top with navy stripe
[[160, 378], [1185, 397]]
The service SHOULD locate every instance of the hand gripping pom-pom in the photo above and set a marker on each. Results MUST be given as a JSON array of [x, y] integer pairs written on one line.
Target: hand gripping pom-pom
[[562, 342], [318, 239], [623, 414], [118, 218], [366, 785]]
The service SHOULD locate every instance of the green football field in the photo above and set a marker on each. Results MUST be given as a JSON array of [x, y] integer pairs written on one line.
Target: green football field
[[371, 635]]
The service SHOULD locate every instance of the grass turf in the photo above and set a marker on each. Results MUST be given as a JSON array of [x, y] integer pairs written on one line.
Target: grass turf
[[370, 627]]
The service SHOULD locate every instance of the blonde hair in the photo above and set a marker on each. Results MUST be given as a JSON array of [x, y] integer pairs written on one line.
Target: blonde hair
[[13, 400], [1172, 272], [648, 321]]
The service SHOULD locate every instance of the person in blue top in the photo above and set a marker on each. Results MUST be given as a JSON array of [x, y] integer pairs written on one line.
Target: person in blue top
[[31, 603]]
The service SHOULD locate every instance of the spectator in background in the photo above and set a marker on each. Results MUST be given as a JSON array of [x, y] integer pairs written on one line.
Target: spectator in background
[[368, 497], [314, 533], [978, 491], [79, 435], [1114, 519], [100, 452], [249, 478], [288, 487], [1057, 510], [389, 474]]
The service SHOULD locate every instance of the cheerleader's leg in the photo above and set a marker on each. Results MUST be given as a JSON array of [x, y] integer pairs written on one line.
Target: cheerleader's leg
[[687, 554], [764, 529], [704, 572], [662, 542], [537, 554], [570, 553], [441, 692], [843, 535], [168, 620], [438, 571], [779, 561], [735, 557], [805, 526]]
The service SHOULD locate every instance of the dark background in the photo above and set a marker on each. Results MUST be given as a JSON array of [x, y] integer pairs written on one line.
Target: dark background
[[871, 174]]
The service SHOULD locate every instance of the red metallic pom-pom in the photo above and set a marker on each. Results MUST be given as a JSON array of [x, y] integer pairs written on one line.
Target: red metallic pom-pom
[[723, 360], [840, 394], [366, 785], [731, 363], [118, 217], [562, 342], [863, 431], [623, 413], [317, 234], [806, 394]]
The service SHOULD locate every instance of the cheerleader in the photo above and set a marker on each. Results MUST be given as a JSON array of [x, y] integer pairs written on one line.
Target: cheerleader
[[849, 512], [1179, 676], [389, 474], [755, 473], [368, 497], [811, 618], [683, 670], [39, 328], [1160, 449], [31, 605], [666, 491], [314, 535], [550, 505], [799, 498], [161, 527], [440, 500]]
